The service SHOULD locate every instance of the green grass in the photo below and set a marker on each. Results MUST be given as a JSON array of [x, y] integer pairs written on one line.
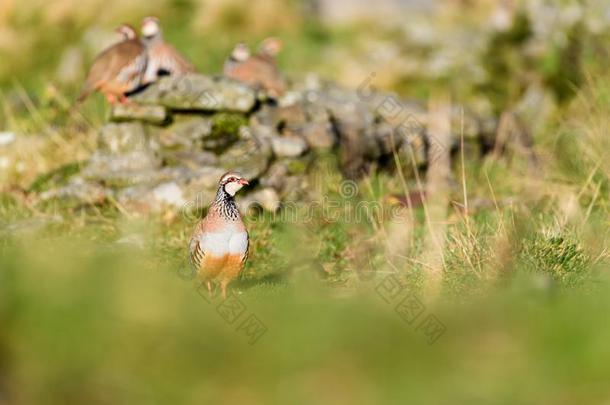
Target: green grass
[[87, 319]]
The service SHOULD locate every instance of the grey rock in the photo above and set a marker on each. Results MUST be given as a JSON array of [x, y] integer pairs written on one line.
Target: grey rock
[[187, 132], [353, 120], [357, 147], [319, 135], [250, 157], [169, 194], [196, 132], [80, 191], [288, 146], [262, 131], [137, 198], [199, 93], [205, 177], [152, 198], [202, 178], [290, 98], [270, 121], [286, 176], [199, 187], [306, 120], [118, 138], [122, 170], [318, 131], [179, 187], [154, 114], [192, 159], [267, 198], [275, 176]]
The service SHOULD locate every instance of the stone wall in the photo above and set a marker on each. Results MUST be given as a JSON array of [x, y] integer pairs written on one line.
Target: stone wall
[[178, 136]]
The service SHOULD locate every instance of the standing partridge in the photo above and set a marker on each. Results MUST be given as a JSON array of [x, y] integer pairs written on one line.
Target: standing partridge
[[219, 245], [163, 59], [260, 70], [118, 69]]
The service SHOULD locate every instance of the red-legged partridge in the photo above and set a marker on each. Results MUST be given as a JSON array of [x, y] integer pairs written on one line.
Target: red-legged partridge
[[260, 70], [219, 245], [118, 69], [163, 59]]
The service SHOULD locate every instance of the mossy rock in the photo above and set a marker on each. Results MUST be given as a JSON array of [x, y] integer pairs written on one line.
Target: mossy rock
[[227, 124], [300, 165]]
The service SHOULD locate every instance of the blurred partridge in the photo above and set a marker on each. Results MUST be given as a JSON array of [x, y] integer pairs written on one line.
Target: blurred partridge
[[118, 69], [219, 245], [163, 59], [239, 54], [260, 70], [269, 49]]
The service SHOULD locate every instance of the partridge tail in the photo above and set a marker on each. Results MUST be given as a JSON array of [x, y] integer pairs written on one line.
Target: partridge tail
[[84, 93], [88, 88]]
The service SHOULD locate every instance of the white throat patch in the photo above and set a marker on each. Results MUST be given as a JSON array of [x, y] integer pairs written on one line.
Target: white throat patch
[[233, 187], [150, 30]]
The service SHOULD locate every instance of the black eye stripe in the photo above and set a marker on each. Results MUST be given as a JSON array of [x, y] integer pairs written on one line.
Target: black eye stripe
[[230, 179]]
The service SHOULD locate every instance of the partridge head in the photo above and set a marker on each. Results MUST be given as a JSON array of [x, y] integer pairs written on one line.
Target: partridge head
[[270, 48], [126, 31], [239, 55]]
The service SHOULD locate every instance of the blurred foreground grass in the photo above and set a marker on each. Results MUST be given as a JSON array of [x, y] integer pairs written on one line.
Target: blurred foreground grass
[[86, 320]]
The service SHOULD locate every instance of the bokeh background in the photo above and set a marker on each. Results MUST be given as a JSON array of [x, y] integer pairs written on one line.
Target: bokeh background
[[96, 305]]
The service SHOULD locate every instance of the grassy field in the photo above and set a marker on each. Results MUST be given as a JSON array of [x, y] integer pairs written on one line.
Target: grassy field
[[99, 306]]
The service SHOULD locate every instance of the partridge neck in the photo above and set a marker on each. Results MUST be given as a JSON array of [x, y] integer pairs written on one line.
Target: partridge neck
[[154, 39], [224, 203]]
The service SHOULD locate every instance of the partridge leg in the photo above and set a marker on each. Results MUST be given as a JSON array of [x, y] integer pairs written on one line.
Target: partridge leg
[[233, 267], [124, 100], [209, 286], [223, 288], [111, 98]]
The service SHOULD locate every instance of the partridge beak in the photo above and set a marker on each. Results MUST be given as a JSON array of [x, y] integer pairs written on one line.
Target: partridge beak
[[243, 182]]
